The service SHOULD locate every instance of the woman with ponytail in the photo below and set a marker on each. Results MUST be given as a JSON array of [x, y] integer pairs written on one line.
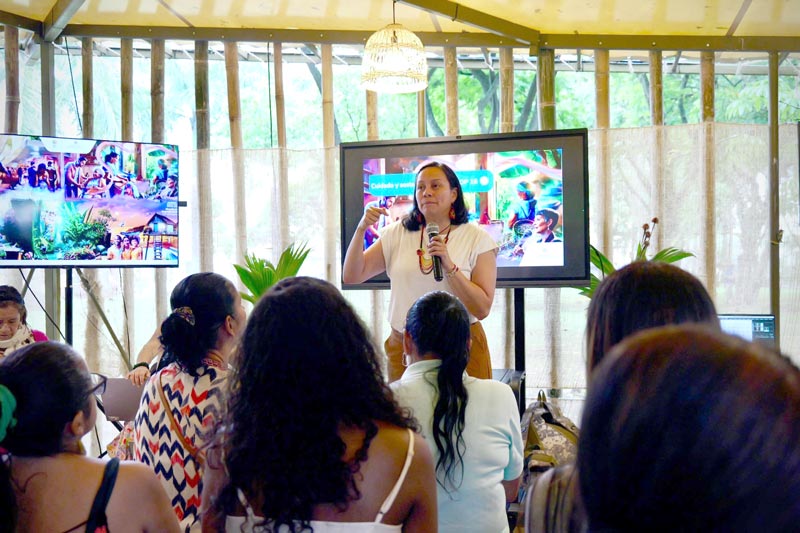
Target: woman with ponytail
[[181, 402], [471, 425], [47, 483]]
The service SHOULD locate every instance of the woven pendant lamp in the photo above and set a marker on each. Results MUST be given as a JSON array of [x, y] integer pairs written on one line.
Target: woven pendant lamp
[[394, 61]]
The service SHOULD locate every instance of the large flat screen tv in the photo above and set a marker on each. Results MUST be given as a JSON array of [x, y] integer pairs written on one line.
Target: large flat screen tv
[[507, 180], [88, 203]]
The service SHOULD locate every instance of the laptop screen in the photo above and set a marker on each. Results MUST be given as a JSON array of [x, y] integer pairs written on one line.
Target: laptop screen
[[755, 328]]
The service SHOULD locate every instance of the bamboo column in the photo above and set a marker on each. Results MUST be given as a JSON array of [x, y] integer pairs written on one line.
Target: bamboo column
[[546, 80], [157, 51], [202, 209], [378, 318], [235, 118], [774, 196], [91, 330], [657, 158], [451, 90], [281, 216], [329, 189], [603, 209], [709, 172], [52, 277], [421, 118], [126, 115], [507, 126], [11, 36]]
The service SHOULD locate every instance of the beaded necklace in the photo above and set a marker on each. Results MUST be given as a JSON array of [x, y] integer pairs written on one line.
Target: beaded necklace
[[426, 261]]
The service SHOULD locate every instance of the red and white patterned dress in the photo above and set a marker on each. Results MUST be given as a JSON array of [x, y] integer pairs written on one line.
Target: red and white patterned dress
[[195, 402]]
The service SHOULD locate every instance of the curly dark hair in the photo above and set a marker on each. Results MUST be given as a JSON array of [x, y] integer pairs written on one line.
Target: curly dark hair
[[305, 366], [211, 298], [415, 219], [430, 315]]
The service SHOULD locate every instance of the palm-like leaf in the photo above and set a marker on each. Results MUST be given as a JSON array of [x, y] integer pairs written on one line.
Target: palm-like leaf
[[671, 255], [258, 275]]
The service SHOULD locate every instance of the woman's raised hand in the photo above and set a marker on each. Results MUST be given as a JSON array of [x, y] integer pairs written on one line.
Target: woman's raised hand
[[371, 216]]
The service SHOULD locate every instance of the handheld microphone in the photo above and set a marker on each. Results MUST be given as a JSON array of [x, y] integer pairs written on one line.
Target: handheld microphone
[[433, 231]]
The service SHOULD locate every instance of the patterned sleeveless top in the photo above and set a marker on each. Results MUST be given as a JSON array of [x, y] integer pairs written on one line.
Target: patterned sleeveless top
[[195, 403]]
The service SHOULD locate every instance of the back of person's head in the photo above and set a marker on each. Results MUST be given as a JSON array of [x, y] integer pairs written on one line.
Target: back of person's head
[[42, 387], [688, 429], [643, 294], [524, 189], [305, 367], [200, 304], [11, 296], [438, 323]]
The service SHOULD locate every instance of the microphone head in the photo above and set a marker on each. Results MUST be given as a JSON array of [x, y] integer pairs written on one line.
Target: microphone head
[[432, 230]]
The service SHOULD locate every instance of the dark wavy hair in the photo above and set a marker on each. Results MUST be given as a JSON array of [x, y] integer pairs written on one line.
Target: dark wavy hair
[[415, 219], [688, 429], [51, 385], [432, 314], [211, 298], [643, 294], [305, 367]]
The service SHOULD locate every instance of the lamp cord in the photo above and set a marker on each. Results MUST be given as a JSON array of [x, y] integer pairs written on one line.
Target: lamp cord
[[394, 3]]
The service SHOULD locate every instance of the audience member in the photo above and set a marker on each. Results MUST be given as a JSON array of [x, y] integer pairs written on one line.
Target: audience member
[[182, 401], [14, 330], [312, 436], [641, 295], [46, 481], [689, 429], [471, 425]]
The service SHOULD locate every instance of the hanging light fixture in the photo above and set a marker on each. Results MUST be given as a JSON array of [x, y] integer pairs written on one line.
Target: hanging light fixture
[[394, 61]]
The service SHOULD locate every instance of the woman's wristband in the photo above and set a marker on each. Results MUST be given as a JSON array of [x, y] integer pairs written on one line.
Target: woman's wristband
[[452, 272], [137, 365]]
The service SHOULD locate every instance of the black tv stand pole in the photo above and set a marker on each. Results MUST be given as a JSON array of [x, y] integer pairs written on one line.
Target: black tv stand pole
[[519, 342], [68, 307]]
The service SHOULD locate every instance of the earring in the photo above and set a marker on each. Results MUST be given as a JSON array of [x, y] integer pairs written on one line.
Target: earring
[[406, 359], [452, 213]]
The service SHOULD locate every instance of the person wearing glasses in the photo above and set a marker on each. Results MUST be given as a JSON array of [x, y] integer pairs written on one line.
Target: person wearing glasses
[[47, 483], [14, 330]]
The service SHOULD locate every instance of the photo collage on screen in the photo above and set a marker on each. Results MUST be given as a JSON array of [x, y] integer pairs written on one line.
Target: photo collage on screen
[[516, 196], [66, 202]]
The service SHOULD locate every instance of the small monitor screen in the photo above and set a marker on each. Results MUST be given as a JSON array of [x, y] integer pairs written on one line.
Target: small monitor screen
[[87, 202], [754, 328]]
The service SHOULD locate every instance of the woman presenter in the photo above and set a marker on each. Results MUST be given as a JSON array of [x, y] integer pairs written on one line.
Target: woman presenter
[[406, 253]]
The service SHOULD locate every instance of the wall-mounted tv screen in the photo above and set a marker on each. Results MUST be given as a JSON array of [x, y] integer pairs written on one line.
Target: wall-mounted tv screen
[[528, 190], [88, 203]]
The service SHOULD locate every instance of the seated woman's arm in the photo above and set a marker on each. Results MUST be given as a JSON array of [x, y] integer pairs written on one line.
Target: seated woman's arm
[[142, 501], [149, 351], [214, 479], [511, 487], [424, 514]]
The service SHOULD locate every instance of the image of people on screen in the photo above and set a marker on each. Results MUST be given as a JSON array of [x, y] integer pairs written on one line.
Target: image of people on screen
[[543, 247]]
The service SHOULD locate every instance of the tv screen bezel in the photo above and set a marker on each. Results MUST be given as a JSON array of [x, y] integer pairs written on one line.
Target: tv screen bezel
[[575, 175], [96, 262]]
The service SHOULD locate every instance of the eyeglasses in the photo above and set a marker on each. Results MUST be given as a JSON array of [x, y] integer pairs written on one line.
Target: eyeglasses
[[98, 384]]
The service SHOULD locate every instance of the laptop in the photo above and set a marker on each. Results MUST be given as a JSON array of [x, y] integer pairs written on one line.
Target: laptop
[[121, 399], [754, 328]]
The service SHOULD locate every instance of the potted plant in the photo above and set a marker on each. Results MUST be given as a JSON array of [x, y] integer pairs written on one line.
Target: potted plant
[[258, 274], [605, 267]]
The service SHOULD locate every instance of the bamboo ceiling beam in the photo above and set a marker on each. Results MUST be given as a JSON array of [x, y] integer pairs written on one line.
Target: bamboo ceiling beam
[[18, 21], [479, 19], [58, 17], [671, 42]]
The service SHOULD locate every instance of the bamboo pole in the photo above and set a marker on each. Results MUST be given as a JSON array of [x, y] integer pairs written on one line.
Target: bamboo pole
[[656, 160], [126, 115], [774, 197], [235, 118], [546, 79], [603, 113], [451, 89], [709, 171], [90, 282], [329, 188], [506, 126], [11, 36], [281, 216], [377, 297], [157, 52], [421, 118], [202, 209]]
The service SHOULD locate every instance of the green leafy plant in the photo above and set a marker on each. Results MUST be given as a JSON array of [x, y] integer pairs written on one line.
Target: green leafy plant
[[605, 267], [258, 274]]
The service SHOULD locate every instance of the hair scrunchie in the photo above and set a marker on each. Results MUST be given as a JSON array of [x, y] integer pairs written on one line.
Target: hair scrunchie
[[8, 404], [185, 313]]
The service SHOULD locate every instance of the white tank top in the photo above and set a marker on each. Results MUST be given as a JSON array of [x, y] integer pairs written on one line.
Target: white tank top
[[246, 524]]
